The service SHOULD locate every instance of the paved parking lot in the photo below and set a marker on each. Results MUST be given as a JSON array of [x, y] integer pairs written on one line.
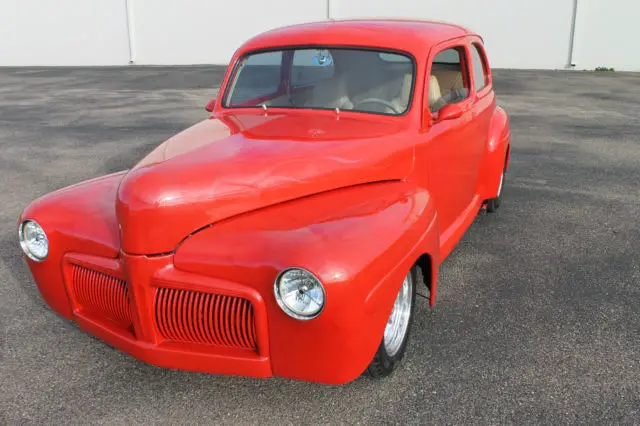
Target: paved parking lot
[[538, 315]]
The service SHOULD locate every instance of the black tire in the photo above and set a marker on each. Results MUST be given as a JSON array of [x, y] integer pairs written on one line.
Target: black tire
[[384, 364], [494, 203]]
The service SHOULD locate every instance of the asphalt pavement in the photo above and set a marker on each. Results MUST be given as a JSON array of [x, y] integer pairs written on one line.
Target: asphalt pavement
[[538, 311]]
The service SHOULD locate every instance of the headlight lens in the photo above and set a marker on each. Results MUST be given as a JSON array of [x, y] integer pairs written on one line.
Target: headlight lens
[[33, 240], [299, 293]]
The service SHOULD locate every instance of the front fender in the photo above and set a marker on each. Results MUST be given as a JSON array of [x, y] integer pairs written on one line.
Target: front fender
[[79, 218], [360, 241]]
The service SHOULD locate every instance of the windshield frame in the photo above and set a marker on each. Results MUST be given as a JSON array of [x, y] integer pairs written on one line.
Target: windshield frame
[[233, 75]]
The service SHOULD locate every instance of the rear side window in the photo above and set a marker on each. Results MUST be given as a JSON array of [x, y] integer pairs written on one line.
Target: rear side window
[[480, 79], [449, 56]]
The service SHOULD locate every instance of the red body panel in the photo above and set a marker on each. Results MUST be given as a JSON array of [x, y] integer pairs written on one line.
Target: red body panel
[[242, 162], [174, 261], [351, 249], [79, 218]]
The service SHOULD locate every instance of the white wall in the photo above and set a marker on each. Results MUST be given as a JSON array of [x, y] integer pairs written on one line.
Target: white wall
[[63, 32], [606, 35], [517, 33], [209, 31]]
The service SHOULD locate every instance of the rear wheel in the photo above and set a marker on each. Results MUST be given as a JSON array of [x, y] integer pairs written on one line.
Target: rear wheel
[[494, 203], [396, 332]]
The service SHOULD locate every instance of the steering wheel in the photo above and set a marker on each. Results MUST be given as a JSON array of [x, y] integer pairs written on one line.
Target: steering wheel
[[376, 101]]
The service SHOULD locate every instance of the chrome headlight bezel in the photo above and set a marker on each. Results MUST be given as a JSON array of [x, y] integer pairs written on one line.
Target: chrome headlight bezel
[[288, 309], [26, 246]]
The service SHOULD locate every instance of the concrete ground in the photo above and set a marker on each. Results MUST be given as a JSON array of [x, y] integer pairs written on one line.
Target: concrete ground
[[538, 314]]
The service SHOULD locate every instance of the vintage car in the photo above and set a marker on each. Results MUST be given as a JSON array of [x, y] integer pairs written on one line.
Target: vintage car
[[286, 235]]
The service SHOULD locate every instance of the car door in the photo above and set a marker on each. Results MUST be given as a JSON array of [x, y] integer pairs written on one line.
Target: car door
[[448, 149], [483, 101]]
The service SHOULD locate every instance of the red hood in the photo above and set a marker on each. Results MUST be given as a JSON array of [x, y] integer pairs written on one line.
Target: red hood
[[237, 163]]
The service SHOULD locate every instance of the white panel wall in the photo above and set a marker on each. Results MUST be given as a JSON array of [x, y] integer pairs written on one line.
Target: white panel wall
[[517, 33], [606, 35], [63, 32], [209, 31]]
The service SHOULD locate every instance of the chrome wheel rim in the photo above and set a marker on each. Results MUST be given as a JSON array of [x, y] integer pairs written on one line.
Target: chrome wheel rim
[[500, 187], [398, 322]]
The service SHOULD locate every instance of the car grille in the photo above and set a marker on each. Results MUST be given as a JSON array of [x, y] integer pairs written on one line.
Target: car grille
[[197, 317], [101, 294]]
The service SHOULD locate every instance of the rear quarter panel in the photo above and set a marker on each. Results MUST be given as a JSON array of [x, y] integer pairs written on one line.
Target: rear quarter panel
[[496, 156], [494, 123]]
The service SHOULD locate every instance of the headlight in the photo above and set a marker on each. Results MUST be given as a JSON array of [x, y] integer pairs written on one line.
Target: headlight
[[299, 293], [33, 240]]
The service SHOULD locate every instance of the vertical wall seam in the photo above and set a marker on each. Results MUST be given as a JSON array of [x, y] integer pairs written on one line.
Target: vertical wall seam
[[130, 31], [572, 35]]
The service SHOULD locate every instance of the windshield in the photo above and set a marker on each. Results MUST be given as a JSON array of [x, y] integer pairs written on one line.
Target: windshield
[[323, 78]]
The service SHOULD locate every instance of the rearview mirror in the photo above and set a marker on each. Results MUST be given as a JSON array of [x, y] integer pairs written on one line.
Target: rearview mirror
[[211, 105], [450, 111]]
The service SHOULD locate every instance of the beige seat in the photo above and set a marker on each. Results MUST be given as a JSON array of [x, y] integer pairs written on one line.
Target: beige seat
[[434, 96], [368, 80], [331, 93], [401, 102], [449, 80], [392, 87], [360, 79]]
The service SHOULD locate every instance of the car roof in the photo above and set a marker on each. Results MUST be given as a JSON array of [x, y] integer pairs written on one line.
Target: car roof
[[412, 36]]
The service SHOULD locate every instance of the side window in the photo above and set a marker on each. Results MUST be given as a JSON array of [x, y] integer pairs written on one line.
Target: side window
[[449, 80], [258, 75], [311, 66], [479, 70]]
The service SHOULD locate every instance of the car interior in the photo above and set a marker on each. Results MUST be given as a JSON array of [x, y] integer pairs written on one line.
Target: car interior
[[447, 84], [357, 80], [363, 81], [367, 85], [349, 79]]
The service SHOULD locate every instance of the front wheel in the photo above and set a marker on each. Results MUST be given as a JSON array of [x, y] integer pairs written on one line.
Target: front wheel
[[396, 332]]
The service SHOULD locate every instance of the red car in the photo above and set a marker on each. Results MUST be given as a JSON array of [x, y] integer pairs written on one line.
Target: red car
[[286, 234]]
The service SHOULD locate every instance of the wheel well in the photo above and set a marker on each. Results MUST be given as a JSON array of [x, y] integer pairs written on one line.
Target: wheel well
[[424, 262], [506, 159]]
